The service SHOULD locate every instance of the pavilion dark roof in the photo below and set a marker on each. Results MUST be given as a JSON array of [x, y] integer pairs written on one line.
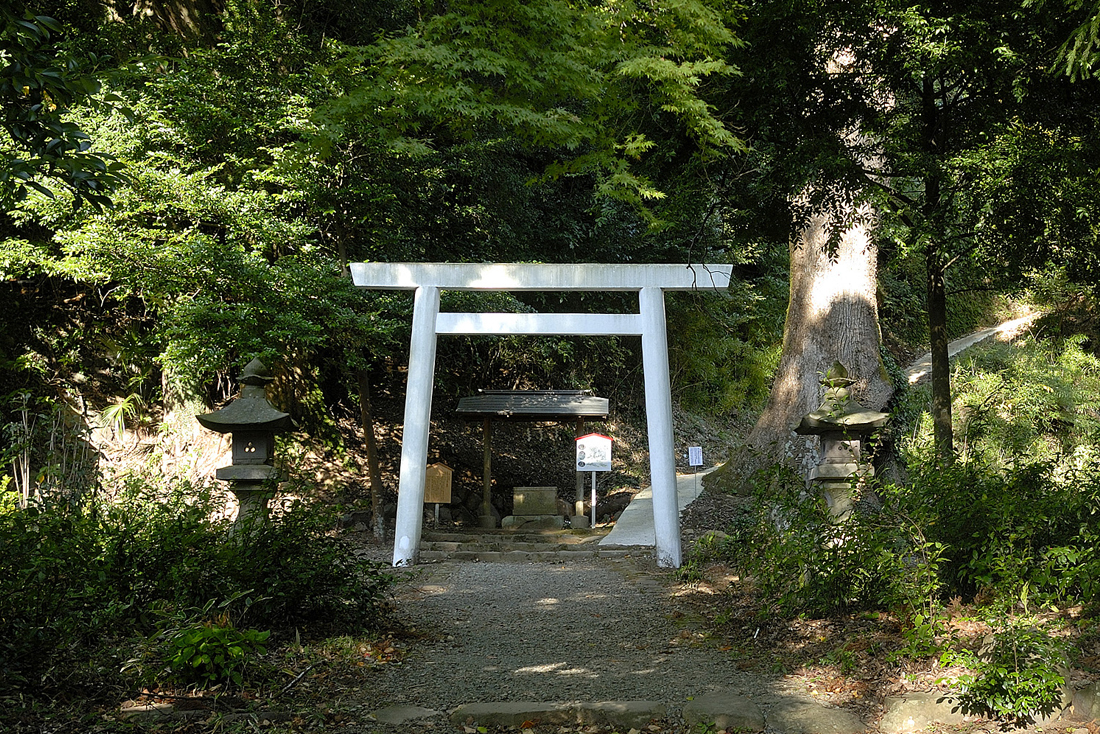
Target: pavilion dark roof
[[532, 405]]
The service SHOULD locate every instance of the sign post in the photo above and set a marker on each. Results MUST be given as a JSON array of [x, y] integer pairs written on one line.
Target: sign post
[[695, 460], [437, 486], [594, 455]]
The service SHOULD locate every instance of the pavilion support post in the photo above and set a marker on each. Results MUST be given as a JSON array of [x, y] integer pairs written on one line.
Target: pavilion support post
[[658, 406], [414, 437], [579, 519], [486, 520]]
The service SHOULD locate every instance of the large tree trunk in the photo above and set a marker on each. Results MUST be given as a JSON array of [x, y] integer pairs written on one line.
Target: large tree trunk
[[832, 316]]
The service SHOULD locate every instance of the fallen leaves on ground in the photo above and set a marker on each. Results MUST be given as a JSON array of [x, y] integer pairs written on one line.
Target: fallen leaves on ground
[[852, 660]]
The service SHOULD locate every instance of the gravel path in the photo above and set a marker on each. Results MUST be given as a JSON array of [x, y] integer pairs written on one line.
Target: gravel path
[[584, 630]]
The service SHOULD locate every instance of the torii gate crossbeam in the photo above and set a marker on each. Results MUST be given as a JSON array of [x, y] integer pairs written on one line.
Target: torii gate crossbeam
[[428, 279]]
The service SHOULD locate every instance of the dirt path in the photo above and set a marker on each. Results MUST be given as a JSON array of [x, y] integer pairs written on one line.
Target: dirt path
[[602, 629], [597, 630]]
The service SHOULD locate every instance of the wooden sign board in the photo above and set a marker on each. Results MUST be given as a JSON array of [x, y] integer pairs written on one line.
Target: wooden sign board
[[437, 484]]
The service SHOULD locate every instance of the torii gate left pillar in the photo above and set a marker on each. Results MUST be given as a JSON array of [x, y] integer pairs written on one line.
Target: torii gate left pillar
[[649, 281]]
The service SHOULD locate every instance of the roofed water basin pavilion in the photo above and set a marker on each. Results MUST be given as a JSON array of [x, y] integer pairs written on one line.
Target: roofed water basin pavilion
[[551, 406]]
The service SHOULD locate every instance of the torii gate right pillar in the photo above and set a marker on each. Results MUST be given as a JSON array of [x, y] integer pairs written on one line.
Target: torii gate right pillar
[[658, 411]]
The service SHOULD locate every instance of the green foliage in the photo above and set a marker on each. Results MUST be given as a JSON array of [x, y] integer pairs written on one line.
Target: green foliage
[[47, 450], [39, 82], [945, 122], [708, 549], [1016, 518], [118, 414], [723, 351], [1079, 56], [1018, 510], [220, 249], [208, 653], [1009, 529], [1019, 674], [1029, 398], [42, 589], [556, 74], [249, 188], [304, 576], [69, 577], [843, 659], [800, 557], [199, 646], [920, 638]]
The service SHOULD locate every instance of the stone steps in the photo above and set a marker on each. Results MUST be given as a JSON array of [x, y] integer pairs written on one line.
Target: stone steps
[[567, 537], [430, 556], [503, 546]]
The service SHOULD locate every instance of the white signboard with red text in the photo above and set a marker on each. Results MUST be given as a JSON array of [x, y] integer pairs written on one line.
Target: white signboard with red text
[[594, 452]]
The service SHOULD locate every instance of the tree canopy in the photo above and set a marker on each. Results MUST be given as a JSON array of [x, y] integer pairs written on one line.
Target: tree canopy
[[265, 146], [39, 82], [946, 120]]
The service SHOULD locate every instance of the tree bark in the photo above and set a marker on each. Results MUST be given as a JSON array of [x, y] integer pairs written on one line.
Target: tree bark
[[186, 18], [378, 522], [935, 270], [941, 367], [832, 316]]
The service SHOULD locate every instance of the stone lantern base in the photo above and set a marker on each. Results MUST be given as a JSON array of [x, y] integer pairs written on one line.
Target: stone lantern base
[[249, 484]]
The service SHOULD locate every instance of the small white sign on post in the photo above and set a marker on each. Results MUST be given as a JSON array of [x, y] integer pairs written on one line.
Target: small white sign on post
[[594, 455], [695, 455], [695, 460]]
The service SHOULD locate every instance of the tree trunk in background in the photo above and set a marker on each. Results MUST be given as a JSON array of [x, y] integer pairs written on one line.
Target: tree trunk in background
[[934, 127], [378, 523], [941, 365], [185, 18], [832, 316]]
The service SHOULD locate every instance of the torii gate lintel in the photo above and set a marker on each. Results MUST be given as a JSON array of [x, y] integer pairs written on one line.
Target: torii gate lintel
[[649, 281]]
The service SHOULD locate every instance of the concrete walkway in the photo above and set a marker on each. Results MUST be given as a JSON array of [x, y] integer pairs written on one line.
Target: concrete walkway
[[1009, 329], [635, 525]]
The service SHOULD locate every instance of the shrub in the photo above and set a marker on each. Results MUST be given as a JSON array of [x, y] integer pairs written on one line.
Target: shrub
[[208, 653], [45, 591], [1033, 400], [70, 577], [800, 557], [1028, 526], [303, 575], [1019, 674], [1026, 532], [1017, 516]]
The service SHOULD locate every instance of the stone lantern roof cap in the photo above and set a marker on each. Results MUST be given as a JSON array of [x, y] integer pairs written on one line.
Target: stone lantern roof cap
[[838, 411], [256, 373], [251, 411]]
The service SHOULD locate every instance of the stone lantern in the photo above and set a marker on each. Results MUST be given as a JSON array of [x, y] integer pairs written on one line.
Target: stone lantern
[[843, 424], [253, 423]]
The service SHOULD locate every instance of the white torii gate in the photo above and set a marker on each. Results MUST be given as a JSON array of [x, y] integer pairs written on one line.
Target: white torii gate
[[428, 279]]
